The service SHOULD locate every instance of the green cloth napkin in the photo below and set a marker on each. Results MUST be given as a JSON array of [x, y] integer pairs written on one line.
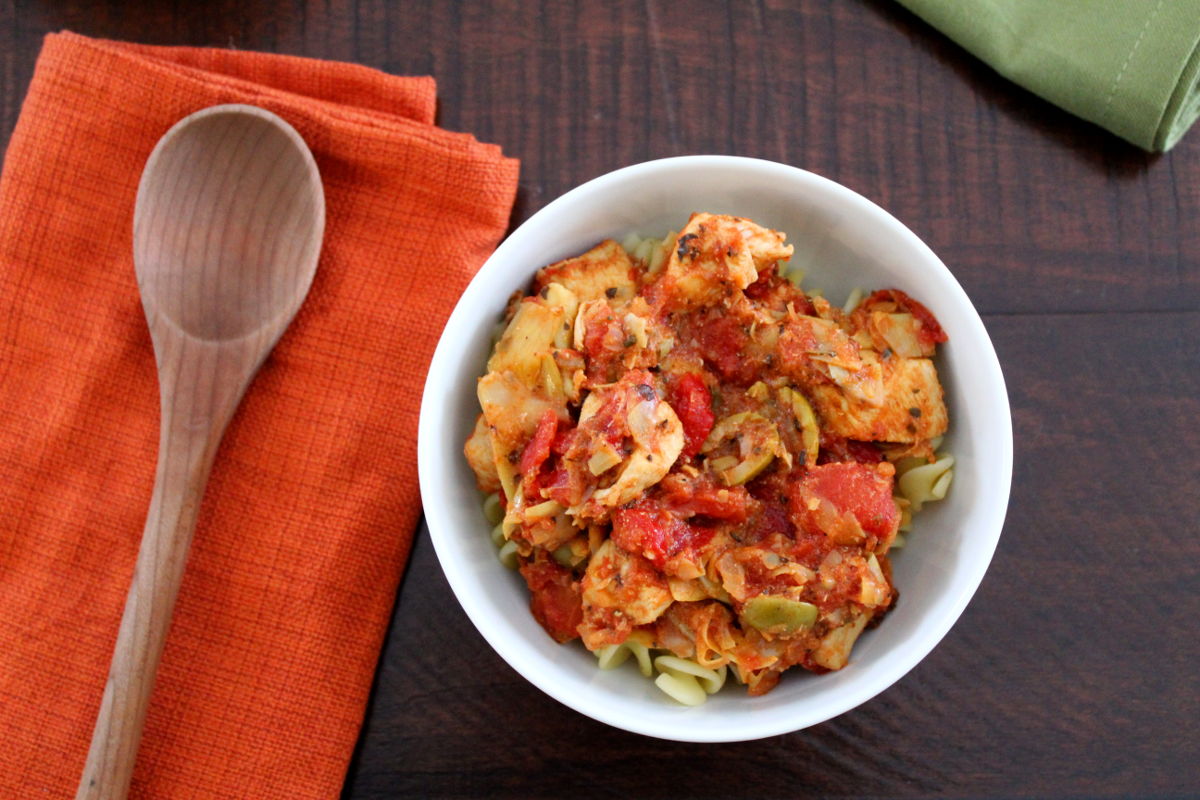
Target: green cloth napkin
[[1131, 66]]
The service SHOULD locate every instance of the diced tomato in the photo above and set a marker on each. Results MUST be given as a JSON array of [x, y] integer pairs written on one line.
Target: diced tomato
[[604, 342], [931, 329], [764, 284], [700, 535], [810, 548], [655, 533], [599, 333], [645, 532], [772, 290], [856, 489], [836, 448], [931, 332], [563, 440], [555, 598], [692, 403], [732, 504], [560, 485], [686, 496], [773, 518], [538, 449], [723, 341], [610, 420]]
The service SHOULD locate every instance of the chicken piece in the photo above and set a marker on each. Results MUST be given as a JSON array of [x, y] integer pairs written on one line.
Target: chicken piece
[[715, 255], [478, 451], [604, 272], [911, 407], [620, 591]]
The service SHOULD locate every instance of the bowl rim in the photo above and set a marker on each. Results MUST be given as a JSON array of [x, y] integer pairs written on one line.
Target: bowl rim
[[1000, 466]]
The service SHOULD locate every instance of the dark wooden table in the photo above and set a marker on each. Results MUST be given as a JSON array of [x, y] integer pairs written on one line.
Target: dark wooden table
[[1074, 670]]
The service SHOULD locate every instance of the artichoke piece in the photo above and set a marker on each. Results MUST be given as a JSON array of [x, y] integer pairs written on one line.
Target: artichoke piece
[[875, 590], [603, 459], [542, 511], [550, 381], [810, 433], [556, 295], [778, 615], [635, 326], [757, 440], [834, 650], [659, 253], [687, 591], [478, 450], [512, 410], [532, 332]]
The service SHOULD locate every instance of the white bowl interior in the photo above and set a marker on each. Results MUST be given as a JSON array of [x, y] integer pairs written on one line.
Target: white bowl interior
[[842, 241]]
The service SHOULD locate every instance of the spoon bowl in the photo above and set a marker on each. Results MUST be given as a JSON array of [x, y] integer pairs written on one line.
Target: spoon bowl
[[227, 224], [227, 230]]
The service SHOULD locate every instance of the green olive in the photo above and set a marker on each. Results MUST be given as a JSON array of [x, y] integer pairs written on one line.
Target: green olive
[[810, 433], [757, 440], [774, 614]]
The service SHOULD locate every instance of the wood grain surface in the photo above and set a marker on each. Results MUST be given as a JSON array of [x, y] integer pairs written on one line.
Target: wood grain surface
[[1073, 672]]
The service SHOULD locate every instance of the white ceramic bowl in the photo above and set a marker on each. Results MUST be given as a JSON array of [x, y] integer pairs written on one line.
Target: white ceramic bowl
[[842, 240]]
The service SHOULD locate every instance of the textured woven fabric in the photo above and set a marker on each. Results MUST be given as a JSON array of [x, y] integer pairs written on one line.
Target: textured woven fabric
[[312, 502], [1131, 66]]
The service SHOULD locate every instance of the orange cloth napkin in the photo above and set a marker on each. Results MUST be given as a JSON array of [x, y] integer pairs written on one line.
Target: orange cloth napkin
[[313, 500]]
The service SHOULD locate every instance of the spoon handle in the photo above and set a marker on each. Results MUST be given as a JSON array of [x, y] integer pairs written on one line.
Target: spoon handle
[[212, 380]]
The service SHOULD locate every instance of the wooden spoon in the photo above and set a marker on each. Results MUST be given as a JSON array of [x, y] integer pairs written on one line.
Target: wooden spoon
[[226, 232]]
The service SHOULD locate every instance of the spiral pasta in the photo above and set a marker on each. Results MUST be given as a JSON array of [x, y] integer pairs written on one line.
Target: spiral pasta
[[920, 483], [686, 681]]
